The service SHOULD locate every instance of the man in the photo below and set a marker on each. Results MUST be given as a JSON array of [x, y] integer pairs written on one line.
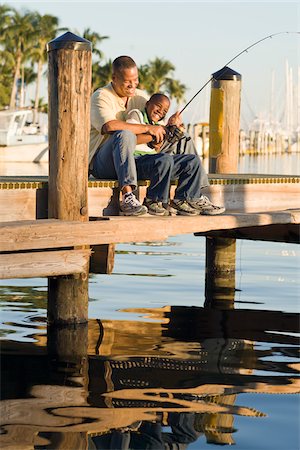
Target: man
[[113, 141]]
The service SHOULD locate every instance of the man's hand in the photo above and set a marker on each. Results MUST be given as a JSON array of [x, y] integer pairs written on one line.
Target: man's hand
[[158, 132]]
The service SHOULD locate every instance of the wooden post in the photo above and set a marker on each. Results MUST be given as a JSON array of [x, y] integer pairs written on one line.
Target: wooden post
[[69, 89], [103, 258], [223, 158], [224, 121]]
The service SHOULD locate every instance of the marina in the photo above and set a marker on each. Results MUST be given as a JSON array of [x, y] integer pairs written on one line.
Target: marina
[[146, 332]]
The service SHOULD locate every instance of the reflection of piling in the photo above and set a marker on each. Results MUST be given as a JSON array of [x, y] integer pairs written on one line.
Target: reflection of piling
[[67, 350], [220, 271], [224, 121], [69, 60], [218, 428]]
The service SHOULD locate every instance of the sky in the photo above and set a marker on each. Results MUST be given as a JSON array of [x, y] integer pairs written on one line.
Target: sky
[[198, 38]]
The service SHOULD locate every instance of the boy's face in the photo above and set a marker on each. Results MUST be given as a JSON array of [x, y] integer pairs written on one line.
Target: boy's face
[[157, 109]]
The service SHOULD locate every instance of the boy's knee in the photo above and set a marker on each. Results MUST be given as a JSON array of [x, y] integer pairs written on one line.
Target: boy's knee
[[166, 159]]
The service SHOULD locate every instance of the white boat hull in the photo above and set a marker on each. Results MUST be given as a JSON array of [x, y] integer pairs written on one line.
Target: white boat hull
[[36, 153]]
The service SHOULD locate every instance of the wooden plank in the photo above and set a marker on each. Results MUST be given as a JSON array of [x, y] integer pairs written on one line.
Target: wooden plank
[[53, 233], [42, 264], [276, 233]]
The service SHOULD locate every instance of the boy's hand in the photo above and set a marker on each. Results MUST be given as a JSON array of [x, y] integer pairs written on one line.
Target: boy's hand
[[158, 132], [175, 119]]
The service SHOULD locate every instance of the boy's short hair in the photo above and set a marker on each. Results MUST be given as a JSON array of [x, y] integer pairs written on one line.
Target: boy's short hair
[[122, 63], [157, 96]]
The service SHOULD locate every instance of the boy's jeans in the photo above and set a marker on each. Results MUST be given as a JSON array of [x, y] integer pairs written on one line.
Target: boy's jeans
[[115, 160]]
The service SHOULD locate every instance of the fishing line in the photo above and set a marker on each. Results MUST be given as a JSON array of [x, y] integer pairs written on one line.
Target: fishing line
[[223, 70]]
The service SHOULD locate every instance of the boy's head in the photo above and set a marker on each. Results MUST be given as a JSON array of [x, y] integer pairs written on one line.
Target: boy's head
[[157, 107]]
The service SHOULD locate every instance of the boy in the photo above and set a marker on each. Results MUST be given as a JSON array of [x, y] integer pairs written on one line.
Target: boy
[[187, 199]]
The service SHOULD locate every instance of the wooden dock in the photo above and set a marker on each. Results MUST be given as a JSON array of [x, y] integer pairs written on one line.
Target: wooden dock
[[49, 247], [26, 198]]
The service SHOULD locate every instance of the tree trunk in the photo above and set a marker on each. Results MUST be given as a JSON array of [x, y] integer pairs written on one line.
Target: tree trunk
[[37, 91], [12, 103]]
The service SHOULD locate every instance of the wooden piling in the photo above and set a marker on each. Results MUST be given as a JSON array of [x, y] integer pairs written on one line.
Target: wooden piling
[[69, 89], [224, 120], [223, 158]]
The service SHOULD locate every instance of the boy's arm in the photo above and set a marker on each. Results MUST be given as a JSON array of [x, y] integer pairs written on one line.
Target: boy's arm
[[135, 117]]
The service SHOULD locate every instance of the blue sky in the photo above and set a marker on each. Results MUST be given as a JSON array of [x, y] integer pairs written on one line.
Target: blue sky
[[198, 38]]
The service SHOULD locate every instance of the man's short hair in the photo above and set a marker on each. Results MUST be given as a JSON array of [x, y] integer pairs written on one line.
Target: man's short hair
[[122, 63]]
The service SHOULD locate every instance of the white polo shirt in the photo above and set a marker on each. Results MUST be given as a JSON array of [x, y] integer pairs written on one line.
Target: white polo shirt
[[106, 105]]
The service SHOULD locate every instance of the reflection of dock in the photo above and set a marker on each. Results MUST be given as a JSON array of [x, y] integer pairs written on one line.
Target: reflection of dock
[[188, 365]]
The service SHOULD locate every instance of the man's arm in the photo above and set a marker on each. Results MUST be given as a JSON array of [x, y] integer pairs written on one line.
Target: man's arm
[[156, 131]]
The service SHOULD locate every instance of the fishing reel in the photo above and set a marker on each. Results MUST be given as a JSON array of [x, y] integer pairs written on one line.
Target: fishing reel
[[173, 134]]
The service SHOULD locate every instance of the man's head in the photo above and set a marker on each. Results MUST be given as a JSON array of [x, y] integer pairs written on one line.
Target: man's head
[[125, 77], [157, 107]]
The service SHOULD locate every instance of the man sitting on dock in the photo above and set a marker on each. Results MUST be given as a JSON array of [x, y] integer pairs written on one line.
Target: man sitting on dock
[[113, 142]]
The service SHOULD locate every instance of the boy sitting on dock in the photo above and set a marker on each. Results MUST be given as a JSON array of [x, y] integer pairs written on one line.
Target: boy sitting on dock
[[113, 142], [154, 113]]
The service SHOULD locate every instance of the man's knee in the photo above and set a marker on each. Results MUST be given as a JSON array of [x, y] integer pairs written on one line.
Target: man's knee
[[125, 136]]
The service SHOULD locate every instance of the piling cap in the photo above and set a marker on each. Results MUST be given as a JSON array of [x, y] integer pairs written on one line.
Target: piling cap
[[69, 41], [227, 74]]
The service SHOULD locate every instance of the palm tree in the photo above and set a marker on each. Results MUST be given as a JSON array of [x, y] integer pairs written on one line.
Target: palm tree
[[18, 33], [156, 73], [175, 90], [7, 59], [95, 39], [143, 76], [156, 76], [42, 105], [47, 28], [29, 76], [101, 75]]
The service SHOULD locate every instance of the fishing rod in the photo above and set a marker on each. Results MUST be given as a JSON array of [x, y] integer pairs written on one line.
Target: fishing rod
[[223, 70]]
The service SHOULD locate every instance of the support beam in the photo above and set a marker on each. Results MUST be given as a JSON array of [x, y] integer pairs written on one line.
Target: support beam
[[43, 264]]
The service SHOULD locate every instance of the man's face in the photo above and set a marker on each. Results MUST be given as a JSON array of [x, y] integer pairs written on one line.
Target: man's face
[[126, 82]]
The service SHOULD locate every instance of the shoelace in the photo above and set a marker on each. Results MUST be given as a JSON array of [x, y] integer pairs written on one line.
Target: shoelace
[[203, 200], [130, 199]]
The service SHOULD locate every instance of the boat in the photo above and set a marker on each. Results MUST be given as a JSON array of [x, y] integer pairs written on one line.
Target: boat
[[20, 139]]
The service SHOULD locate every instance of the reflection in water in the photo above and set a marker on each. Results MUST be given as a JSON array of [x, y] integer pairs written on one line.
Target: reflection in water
[[160, 384], [285, 163], [176, 377]]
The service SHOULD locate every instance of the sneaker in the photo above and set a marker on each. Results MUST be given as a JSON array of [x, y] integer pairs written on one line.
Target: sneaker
[[130, 206], [206, 207], [171, 211], [155, 208], [183, 208]]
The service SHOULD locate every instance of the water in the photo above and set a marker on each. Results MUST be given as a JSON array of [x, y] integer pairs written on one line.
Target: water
[[162, 367]]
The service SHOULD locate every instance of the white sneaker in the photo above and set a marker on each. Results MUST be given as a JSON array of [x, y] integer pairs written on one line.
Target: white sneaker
[[206, 207], [130, 206]]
